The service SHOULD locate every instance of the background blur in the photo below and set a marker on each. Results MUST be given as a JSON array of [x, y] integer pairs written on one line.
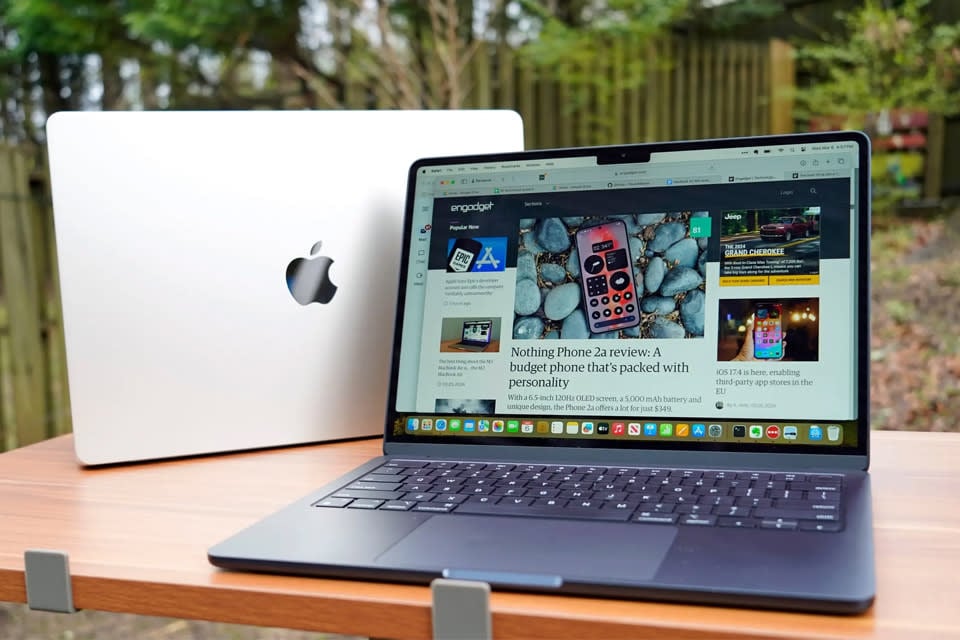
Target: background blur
[[580, 72]]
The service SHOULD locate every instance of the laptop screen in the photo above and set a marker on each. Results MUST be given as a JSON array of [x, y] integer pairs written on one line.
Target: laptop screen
[[477, 331], [688, 295]]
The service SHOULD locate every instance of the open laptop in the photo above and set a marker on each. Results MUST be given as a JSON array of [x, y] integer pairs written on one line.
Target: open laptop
[[228, 277], [679, 407], [476, 335]]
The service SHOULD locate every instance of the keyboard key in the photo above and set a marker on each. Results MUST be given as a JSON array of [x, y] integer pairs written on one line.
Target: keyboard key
[[419, 496], [377, 477], [333, 502], [397, 505], [374, 486], [435, 507], [660, 518], [742, 523], [372, 495], [515, 501], [809, 525], [573, 513], [778, 524], [423, 486], [450, 497], [364, 503], [410, 464], [796, 514], [789, 477], [698, 520]]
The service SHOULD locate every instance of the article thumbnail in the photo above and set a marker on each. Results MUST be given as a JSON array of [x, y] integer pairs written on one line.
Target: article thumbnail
[[476, 255], [466, 406], [470, 335], [770, 247], [769, 329], [625, 276]]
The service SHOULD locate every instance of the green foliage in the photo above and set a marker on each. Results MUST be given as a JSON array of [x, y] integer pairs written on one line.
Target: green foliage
[[569, 43], [61, 27], [885, 58]]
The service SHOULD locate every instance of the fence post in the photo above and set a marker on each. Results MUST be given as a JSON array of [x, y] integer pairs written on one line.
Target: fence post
[[19, 273], [781, 86]]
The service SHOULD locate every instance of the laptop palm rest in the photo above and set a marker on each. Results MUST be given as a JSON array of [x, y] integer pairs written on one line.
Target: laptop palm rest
[[523, 552]]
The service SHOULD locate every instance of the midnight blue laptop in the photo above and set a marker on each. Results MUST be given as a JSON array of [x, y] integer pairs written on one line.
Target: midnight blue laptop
[[678, 408]]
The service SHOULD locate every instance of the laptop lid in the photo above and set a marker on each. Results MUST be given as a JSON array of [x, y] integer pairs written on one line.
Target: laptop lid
[[697, 302], [226, 277]]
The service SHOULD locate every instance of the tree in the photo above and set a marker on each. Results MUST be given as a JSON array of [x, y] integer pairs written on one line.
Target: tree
[[886, 58], [70, 54]]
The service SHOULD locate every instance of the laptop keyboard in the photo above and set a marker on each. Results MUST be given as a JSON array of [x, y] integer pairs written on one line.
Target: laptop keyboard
[[689, 497]]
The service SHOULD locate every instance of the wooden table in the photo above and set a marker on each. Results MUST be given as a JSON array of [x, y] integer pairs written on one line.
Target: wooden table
[[137, 537]]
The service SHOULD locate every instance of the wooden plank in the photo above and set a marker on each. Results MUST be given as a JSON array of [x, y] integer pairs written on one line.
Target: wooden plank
[[762, 110], [8, 434], [721, 84], [526, 103], [58, 396], [546, 113], [781, 86], [583, 92], [634, 101], [710, 91], [664, 96], [598, 112], [742, 96], [618, 85], [680, 100], [933, 178], [566, 115], [506, 80], [478, 83], [18, 269], [694, 94], [650, 92], [734, 89]]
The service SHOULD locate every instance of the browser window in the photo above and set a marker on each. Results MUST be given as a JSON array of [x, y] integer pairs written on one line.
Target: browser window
[[703, 296]]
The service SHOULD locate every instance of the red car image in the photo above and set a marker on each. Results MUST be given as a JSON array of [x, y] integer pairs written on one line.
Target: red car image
[[786, 228]]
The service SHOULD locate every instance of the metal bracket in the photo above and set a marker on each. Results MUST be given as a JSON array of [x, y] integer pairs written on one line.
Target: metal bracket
[[48, 581], [461, 610]]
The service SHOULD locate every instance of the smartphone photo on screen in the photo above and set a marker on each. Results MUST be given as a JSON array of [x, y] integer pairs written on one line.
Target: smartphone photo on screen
[[606, 275], [463, 255], [768, 331]]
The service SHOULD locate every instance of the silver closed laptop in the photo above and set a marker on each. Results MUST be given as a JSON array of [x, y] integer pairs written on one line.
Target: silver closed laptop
[[229, 278]]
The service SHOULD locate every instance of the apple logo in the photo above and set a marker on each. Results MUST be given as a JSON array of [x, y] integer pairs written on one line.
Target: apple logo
[[308, 279]]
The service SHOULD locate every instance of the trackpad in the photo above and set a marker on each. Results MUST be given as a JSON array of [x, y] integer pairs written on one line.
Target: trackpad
[[534, 546]]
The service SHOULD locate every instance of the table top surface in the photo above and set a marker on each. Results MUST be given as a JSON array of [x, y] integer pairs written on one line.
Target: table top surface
[[137, 537]]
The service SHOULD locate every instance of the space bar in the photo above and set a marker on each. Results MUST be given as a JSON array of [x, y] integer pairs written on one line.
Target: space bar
[[487, 509]]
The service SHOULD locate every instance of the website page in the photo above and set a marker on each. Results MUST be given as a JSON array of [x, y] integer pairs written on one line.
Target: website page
[[707, 297]]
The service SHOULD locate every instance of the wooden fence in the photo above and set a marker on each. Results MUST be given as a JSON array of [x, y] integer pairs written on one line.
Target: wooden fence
[[689, 89], [33, 390]]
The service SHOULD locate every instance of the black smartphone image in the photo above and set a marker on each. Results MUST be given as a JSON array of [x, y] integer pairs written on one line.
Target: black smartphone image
[[606, 276], [768, 331], [463, 255]]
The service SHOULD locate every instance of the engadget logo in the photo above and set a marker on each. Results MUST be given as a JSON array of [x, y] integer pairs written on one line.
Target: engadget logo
[[476, 207]]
